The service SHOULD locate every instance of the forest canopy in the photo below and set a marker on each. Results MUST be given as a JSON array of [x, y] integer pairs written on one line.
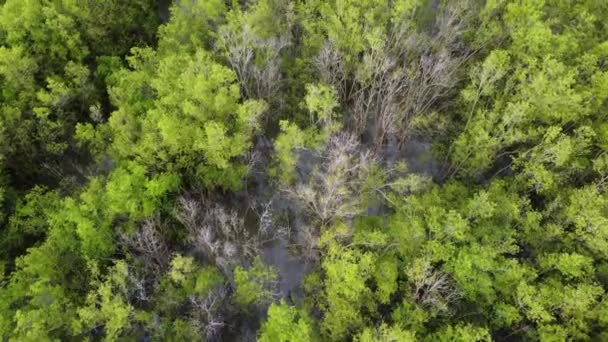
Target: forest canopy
[[304, 170]]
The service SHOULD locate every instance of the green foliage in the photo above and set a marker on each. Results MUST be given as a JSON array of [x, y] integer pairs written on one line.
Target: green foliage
[[570, 265], [254, 285], [321, 101], [524, 93], [345, 294], [192, 279], [353, 26], [45, 32], [185, 279], [185, 97], [461, 333], [36, 302], [385, 333], [127, 193], [285, 323], [49, 47], [131, 192], [286, 144], [191, 25], [586, 212], [113, 27], [385, 275], [106, 304], [28, 224]]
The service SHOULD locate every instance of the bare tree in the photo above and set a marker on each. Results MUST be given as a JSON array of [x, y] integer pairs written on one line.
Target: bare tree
[[207, 314], [379, 93], [268, 229], [219, 233], [149, 245], [331, 191], [404, 78], [332, 70], [258, 78], [139, 287], [431, 288]]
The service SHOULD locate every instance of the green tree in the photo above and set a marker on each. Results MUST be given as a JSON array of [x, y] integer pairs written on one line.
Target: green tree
[[285, 323], [106, 305], [194, 98], [286, 146], [255, 284], [385, 333], [28, 224], [345, 292]]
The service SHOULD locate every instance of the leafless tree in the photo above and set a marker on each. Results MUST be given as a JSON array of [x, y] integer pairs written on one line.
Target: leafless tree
[[433, 289], [331, 191], [219, 233], [268, 228], [139, 289], [379, 93], [404, 78], [207, 313], [307, 240], [332, 70], [149, 245], [255, 59]]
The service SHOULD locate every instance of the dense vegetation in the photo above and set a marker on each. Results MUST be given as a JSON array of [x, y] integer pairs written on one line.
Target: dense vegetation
[[310, 170]]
